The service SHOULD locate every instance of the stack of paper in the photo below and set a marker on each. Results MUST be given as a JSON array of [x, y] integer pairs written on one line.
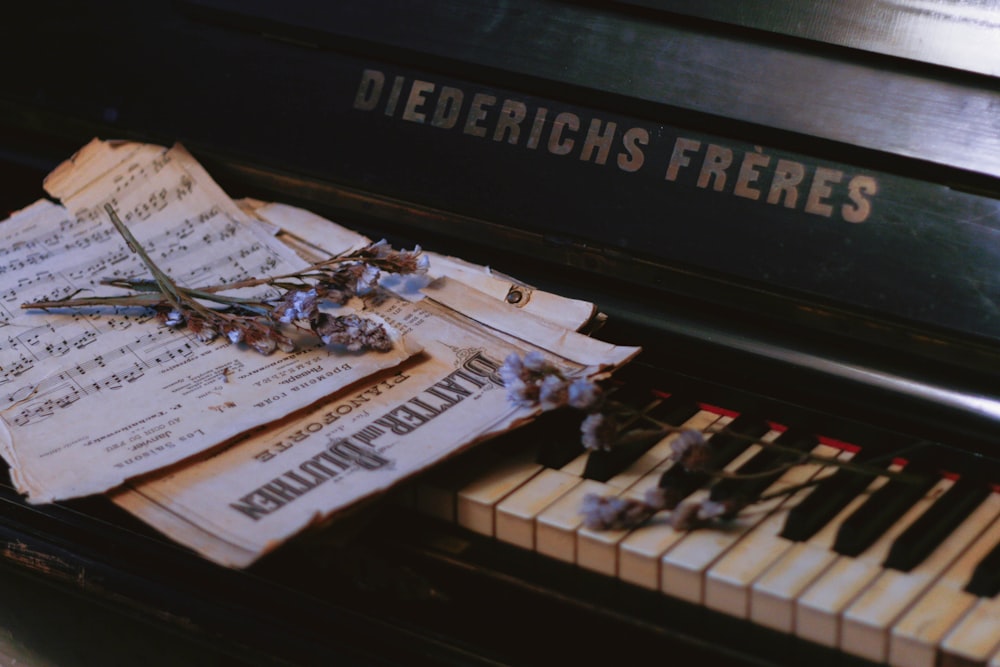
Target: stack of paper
[[225, 450]]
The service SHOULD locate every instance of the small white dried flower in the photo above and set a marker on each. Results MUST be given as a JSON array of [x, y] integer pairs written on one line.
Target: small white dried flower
[[173, 318]]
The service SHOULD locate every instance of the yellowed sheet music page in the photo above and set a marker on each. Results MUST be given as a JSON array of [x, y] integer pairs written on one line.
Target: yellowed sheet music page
[[239, 504], [93, 397]]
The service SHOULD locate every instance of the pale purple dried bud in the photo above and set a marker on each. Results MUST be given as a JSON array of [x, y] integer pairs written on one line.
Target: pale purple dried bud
[[613, 512], [260, 339], [584, 394], [206, 333], [535, 362], [552, 392], [725, 508], [685, 516], [657, 497], [203, 330], [173, 318], [521, 393], [516, 381], [285, 344], [333, 293], [512, 369], [297, 305], [598, 431], [423, 262], [691, 450], [235, 335], [353, 332], [378, 250], [403, 261], [367, 280], [263, 344], [712, 509]]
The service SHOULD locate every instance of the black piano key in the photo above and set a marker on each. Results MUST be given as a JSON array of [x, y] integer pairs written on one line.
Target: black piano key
[[557, 436], [985, 581], [880, 511], [561, 442], [742, 491], [925, 534], [603, 465], [828, 498], [678, 482]]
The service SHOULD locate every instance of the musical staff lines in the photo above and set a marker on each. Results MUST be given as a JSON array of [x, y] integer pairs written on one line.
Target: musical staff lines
[[109, 371]]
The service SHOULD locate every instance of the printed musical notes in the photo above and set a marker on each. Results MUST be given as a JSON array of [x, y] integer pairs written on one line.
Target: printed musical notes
[[71, 377]]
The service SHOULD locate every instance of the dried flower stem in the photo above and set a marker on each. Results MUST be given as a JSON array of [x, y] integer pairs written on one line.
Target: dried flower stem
[[168, 288], [801, 457], [257, 321]]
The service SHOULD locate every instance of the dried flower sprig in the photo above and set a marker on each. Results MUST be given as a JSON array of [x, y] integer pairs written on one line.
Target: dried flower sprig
[[533, 381], [257, 321], [609, 425], [695, 462]]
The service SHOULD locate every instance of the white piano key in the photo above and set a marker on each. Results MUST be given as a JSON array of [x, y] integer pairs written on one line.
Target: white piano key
[[556, 526], [819, 608], [975, 638], [515, 514], [683, 568], [436, 493], [772, 598], [915, 637], [728, 581], [869, 619], [597, 550], [639, 553], [774, 593], [476, 501]]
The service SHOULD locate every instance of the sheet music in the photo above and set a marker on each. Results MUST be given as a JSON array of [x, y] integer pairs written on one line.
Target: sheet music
[[238, 504], [297, 225], [91, 398]]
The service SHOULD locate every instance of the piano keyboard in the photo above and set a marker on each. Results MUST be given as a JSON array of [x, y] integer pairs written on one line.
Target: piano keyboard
[[878, 568]]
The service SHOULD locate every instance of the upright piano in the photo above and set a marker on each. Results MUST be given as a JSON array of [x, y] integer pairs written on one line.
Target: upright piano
[[793, 207]]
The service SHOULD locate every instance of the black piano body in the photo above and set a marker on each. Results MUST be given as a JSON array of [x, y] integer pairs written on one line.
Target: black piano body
[[796, 211]]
